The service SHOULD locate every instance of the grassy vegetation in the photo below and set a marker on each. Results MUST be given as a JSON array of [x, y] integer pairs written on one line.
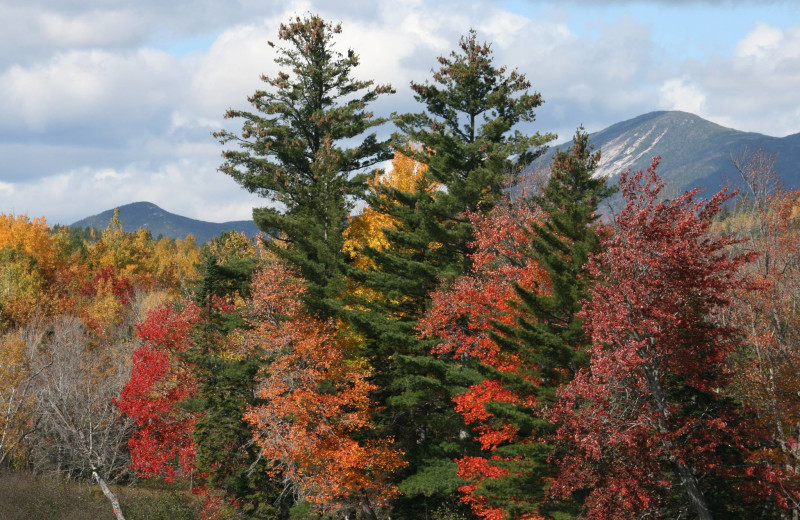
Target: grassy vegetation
[[25, 497]]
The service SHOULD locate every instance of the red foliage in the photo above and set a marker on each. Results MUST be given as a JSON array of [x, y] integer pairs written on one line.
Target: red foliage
[[121, 286], [463, 317], [461, 314], [649, 417], [160, 379]]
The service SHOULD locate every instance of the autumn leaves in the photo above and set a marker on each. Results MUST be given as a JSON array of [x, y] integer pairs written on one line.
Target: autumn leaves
[[451, 351]]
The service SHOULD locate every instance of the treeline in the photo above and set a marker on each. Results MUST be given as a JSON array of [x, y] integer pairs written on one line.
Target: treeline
[[452, 352]]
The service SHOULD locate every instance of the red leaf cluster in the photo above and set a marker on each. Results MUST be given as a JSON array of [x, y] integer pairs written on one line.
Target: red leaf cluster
[[649, 415], [162, 446]]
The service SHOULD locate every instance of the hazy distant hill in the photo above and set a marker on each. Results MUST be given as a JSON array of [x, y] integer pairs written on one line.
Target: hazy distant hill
[[694, 152], [160, 222]]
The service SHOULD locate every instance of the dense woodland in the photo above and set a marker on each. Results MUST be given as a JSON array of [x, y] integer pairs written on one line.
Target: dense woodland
[[453, 338]]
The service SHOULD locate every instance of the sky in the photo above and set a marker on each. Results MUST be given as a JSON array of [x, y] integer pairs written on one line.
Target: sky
[[107, 102]]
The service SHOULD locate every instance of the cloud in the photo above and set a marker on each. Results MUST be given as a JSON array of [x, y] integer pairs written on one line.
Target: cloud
[[95, 105], [188, 187], [671, 2], [107, 94], [756, 87], [680, 94]]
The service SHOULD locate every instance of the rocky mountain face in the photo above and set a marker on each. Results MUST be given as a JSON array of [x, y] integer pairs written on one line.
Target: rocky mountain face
[[160, 222], [694, 152]]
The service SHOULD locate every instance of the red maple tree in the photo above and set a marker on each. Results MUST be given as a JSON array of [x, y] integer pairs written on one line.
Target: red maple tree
[[648, 429], [162, 445]]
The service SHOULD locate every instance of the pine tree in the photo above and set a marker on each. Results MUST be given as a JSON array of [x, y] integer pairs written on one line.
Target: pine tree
[[468, 143], [551, 335], [520, 333], [305, 149], [226, 455], [547, 338]]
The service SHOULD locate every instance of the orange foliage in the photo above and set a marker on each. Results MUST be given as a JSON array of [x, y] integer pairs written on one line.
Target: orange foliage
[[315, 396], [768, 367]]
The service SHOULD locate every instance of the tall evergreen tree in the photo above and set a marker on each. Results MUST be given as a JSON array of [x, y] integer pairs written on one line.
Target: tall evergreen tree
[[226, 453], [552, 336], [547, 337], [305, 149], [467, 139]]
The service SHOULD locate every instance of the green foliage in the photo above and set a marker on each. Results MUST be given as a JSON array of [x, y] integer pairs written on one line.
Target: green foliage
[[467, 139], [225, 451], [305, 149], [437, 478], [303, 511], [548, 335], [552, 338]]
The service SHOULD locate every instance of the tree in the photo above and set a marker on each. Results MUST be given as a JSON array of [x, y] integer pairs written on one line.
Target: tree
[[647, 427], [80, 432], [304, 149], [504, 478], [548, 327], [28, 265], [19, 371], [314, 397], [234, 472], [468, 141], [770, 356], [162, 445], [367, 229]]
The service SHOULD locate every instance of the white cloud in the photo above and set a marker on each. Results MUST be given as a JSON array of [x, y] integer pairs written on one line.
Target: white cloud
[[756, 88], [760, 43], [679, 94], [94, 115], [91, 29], [187, 187], [88, 88]]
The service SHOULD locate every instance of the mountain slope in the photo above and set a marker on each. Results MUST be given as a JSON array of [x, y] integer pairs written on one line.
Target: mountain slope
[[161, 222], [694, 152]]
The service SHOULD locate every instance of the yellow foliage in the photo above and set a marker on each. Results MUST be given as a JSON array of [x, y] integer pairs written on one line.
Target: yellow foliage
[[366, 230], [21, 290], [232, 244], [174, 262], [104, 310], [29, 236]]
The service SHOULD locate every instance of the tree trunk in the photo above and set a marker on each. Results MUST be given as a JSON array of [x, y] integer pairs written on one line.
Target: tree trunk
[[109, 494], [688, 480], [366, 510]]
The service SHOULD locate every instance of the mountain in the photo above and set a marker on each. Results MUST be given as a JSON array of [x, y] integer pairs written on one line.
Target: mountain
[[694, 152], [161, 222]]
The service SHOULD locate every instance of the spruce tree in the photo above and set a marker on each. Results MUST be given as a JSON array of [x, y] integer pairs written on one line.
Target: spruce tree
[[552, 337], [227, 457], [467, 139], [305, 150], [548, 337]]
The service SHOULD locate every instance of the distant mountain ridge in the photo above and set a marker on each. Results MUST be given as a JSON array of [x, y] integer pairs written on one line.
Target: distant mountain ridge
[[161, 222], [694, 151]]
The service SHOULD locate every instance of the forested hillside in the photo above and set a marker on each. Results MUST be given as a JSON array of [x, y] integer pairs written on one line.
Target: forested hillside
[[448, 353]]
